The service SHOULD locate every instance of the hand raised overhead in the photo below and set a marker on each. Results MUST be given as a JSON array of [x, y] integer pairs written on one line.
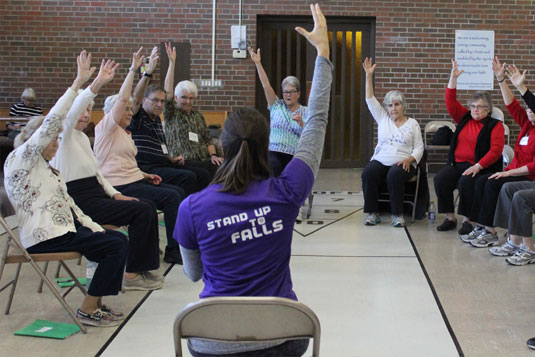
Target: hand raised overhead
[[515, 76], [137, 59], [153, 60], [171, 52], [368, 66], [318, 37], [107, 71], [85, 71], [255, 56], [455, 71], [498, 68]]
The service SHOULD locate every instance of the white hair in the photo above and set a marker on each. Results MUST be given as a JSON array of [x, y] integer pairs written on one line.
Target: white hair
[[28, 93], [186, 86], [293, 81], [110, 102]]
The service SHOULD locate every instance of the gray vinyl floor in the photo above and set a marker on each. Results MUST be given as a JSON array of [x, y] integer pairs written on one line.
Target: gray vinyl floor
[[378, 291]]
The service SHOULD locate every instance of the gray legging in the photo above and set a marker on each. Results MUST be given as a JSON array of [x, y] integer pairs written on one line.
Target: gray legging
[[515, 207]]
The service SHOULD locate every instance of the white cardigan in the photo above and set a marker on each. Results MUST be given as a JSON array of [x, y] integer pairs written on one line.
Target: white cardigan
[[38, 194], [395, 144], [75, 159]]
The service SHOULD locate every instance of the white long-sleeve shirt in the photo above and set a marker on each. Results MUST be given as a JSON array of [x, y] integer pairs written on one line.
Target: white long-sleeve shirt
[[395, 144], [39, 196], [75, 159]]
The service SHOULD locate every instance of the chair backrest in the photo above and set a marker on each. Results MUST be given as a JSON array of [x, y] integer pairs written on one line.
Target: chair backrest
[[497, 113], [508, 154], [507, 133], [250, 319], [432, 127]]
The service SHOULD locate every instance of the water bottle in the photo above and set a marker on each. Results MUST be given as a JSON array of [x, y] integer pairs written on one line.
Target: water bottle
[[432, 216], [91, 267]]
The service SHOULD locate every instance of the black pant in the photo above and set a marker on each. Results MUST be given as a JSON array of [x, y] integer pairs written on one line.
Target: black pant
[[450, 178], [206, 166], [108, 249], [291, 348], [184, 180], [140, 217], [373, 177], [278, 161], [165, 197], [486, 197]]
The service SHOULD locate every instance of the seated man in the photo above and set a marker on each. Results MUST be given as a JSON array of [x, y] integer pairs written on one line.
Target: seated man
[[27, 108], [185, 128]]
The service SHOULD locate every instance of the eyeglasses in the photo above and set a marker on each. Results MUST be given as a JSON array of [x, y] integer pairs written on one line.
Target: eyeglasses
[[184, 97], [157, 100], [291, 92], [478, 107]]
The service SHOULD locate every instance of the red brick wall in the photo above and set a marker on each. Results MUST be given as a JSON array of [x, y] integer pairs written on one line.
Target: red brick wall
[[414, 42]]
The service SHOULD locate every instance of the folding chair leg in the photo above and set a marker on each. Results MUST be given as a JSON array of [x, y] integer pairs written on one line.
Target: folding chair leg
[[80, 261], [310, 200], [12, 292], [40, 289], [74, 278], [58, 296]]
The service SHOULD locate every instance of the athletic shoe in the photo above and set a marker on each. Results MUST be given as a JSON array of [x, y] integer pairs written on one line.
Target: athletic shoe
[[372, 219], [398, 221], [466, 228], [141, 283], [154, 275], [172, 256], [522, 257], [485, 239], [531, 343], [447, 225], [505, 250], [97, 319], [472, 235], [108, 310]]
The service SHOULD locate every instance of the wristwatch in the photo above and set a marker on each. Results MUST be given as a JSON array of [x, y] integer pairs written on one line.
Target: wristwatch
[[145, 74]]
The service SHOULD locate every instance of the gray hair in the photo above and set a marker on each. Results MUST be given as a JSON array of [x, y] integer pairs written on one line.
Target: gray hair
[[292, 81], [186, 86], [110, 102], [28, 93], [484, 96], [33, 124], [394, 96]]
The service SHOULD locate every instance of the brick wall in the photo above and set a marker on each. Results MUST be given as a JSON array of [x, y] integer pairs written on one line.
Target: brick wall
[[414, 42]]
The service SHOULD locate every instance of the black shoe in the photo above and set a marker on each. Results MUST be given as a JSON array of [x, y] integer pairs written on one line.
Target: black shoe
[[447, 225], [531, 343], [466, 228], [172, 256]]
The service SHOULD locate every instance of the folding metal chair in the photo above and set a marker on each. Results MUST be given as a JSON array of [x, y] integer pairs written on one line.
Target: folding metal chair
[[15, 253], [247, 319]]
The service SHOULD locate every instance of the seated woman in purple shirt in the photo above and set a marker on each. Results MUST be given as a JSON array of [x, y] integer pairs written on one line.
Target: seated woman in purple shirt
[[237, 233]]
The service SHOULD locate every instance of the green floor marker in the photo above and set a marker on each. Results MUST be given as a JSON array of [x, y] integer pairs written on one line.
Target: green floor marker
[[48, 329]]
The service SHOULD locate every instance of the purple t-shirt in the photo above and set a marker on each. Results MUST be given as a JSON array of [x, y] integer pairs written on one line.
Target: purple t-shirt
[[245, 240]]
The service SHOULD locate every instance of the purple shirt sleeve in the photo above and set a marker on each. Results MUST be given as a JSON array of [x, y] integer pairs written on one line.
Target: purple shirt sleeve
[[184, 232]]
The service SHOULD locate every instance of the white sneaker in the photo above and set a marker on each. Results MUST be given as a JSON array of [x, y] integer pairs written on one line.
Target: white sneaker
[[485, 239], [522, 257], [505, 250], [372, 219], [472, 235], [398, 221]]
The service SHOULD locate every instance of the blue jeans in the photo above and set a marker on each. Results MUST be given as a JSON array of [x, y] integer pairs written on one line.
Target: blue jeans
[[166, 198]]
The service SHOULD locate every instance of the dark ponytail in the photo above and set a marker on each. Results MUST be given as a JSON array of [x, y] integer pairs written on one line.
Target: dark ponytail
[[245, 140]]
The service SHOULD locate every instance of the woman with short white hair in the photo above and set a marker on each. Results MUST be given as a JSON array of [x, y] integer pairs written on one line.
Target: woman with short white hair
[[399, 150]]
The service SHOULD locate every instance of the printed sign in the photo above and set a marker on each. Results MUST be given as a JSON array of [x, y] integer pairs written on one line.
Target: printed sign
[[474, 51]]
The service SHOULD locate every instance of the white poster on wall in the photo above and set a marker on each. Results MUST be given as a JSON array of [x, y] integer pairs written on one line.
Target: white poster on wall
[[474, 51]]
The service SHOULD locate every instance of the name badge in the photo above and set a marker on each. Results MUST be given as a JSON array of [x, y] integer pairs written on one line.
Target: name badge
[[524, 140], [164, 149], [193, 137]]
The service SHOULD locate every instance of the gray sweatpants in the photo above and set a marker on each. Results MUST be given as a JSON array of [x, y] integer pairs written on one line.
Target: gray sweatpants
[[515, 208]]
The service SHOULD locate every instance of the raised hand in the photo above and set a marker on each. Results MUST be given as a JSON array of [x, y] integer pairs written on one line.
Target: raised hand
[[455, 71], [171, 52], [369, 68], [255, 56], [137, 59], [498, 68], [515, 76], [85, 71], [107, 71], [153, 61], [318, 37]]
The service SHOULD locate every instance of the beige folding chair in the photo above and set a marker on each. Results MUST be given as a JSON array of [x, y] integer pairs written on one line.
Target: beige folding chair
[[247, 319], [14, 253], [431, 128], [507, 154]]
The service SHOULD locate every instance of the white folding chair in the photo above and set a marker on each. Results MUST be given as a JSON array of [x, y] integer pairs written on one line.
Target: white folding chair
[[247, 319], [431, 128]]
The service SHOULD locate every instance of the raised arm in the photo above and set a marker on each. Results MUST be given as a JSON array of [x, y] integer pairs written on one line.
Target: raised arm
[[310, 145], [170, 76], [455, 73], [268, 90], [369, 68], [145, 80], [499, 72], [126, 89]]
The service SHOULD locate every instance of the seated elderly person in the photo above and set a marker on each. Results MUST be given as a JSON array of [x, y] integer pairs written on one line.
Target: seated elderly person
[[99, 200], [476, 149], [186, 132], [49, 219], [398, 151], [26, 108], [521, 168]]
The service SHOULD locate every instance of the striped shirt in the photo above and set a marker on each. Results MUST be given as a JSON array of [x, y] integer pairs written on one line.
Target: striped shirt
[[149, 137], [284, 131], [20, 110]]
